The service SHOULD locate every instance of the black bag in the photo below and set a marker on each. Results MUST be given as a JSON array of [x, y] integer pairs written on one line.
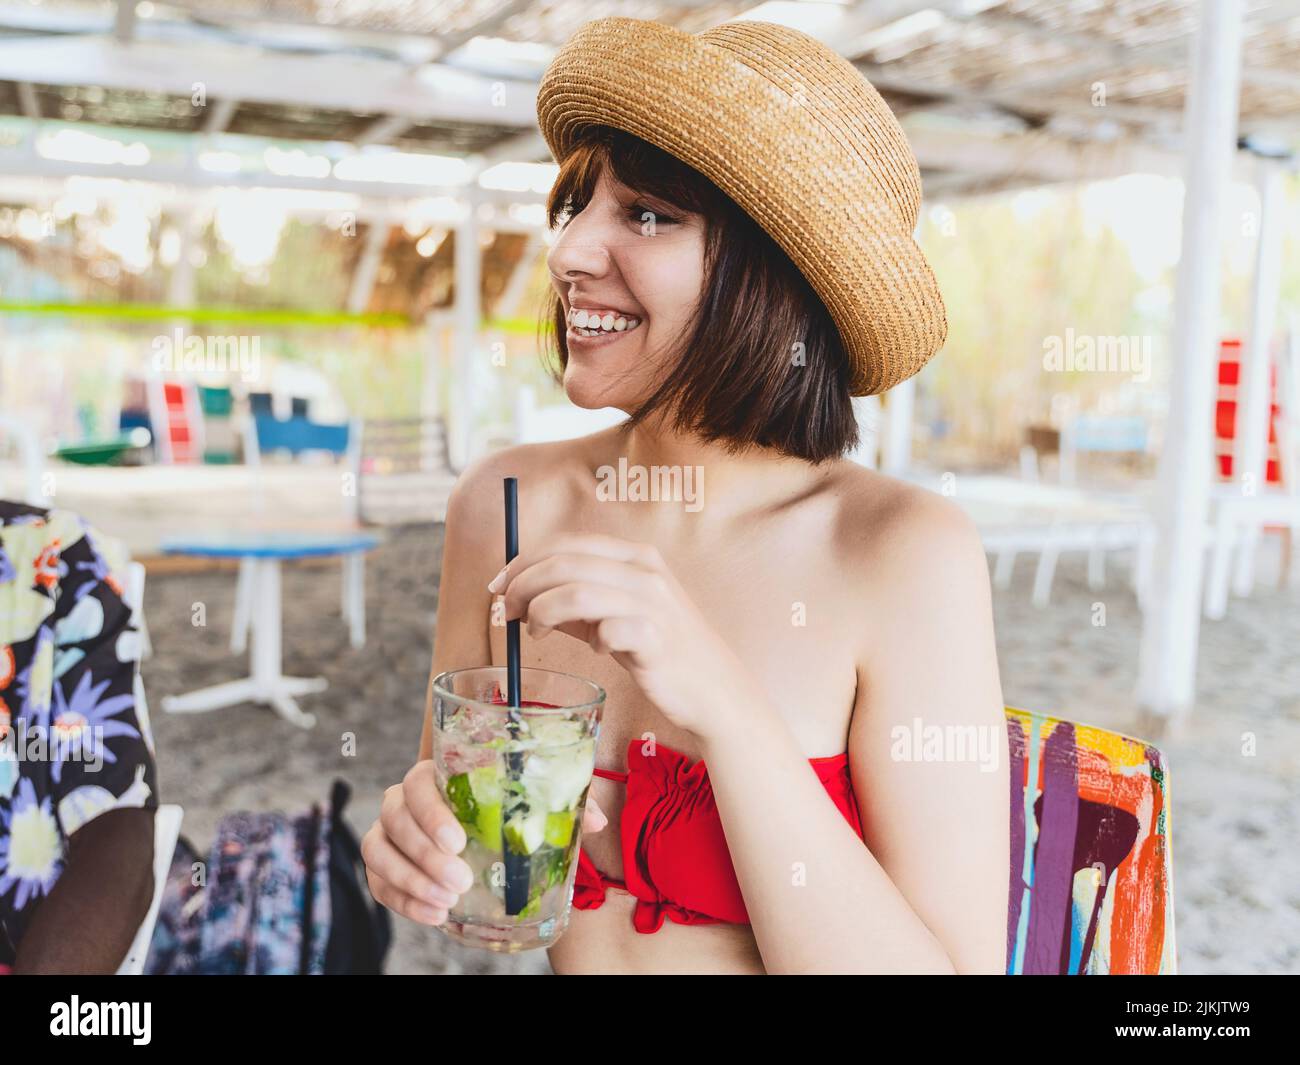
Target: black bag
[[360, 929]]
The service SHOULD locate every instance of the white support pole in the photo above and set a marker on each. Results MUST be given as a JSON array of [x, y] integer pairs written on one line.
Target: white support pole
[[367, 268], [354, 597], [517, 286], [467, 311], [244, 595], [1171, 623], [432, 405], [867, 411], [896, 449], [1249, 463], [180, 286]]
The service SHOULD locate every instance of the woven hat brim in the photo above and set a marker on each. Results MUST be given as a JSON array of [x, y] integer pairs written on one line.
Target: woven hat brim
[[699, 103]]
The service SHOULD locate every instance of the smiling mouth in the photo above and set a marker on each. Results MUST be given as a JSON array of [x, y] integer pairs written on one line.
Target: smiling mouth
[[585, 323]]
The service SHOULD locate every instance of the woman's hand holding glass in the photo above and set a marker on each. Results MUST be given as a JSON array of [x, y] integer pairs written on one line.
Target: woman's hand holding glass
[[411, 851]]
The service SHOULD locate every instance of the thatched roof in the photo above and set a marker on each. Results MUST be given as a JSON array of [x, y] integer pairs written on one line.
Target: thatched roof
[[1108, 73]]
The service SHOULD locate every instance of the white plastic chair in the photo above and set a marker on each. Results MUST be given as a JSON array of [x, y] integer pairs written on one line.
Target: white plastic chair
[[29, 451], [166, 831], [167, 818]]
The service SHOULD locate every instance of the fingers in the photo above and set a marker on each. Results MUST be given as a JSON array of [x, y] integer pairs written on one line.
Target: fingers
[[593, 817], [566, 568], [575, 603], [397, 884], [420, 795], [408, 868], [429, 866], [626, 634], [646, 556]]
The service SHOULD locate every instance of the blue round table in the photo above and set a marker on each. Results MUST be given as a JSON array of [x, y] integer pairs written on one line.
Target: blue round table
[[258, 605]]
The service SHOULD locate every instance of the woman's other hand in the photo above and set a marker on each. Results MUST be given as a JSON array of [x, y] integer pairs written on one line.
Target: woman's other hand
[[412, 851]]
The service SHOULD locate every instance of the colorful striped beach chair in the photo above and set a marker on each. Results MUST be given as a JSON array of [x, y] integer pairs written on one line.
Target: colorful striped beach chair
[[1091, 859]]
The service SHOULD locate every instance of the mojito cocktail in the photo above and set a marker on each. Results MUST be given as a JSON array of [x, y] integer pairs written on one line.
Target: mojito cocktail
[[517, 782]]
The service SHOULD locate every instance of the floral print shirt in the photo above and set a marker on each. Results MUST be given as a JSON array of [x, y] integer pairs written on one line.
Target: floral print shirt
[[73, 742]]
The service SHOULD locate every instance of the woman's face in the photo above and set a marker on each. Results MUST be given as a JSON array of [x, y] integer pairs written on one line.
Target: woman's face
[[625, 256]]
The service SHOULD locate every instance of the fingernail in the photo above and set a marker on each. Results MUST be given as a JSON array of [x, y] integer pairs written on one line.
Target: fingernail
[[494, 585], [450, 839], [460, 880], [431, 914]]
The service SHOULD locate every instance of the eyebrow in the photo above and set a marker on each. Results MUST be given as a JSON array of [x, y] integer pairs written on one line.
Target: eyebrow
[[661, 206]]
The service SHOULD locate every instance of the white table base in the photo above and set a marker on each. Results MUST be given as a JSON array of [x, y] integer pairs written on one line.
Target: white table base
[[352, 602], [266, 684]]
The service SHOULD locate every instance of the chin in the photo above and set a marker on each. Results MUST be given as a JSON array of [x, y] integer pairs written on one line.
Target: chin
[[592, 391]]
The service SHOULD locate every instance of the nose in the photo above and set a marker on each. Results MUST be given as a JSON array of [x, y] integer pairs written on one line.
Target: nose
[[582, 249]]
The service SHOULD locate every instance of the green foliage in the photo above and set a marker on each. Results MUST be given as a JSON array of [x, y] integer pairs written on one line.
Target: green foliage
[[1011, 279]]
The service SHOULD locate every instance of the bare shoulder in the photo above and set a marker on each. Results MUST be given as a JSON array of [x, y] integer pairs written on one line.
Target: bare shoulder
[[887, 521], [902, 541], [551, 477], [920, 578]]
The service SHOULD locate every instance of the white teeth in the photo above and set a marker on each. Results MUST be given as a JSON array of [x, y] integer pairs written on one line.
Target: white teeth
[[596, 324]]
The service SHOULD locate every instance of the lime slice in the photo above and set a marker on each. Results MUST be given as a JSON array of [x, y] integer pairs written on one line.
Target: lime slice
[[524, 832], [559, 828], [487, 826]]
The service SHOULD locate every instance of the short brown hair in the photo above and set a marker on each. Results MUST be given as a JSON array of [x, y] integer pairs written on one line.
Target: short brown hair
[[735, 380]]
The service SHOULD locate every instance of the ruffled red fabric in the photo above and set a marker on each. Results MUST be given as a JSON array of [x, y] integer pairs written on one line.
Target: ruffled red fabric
[[675, 855]]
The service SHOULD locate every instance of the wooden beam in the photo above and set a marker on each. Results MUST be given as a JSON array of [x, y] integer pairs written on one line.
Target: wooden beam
[[449, 42], [338, 82], [1169, 53], [527, 147], [220, 112], [1157, 120], [868, 15], [1037, 156], [21, 162], [124, 21], [28, 101], [382, 130]]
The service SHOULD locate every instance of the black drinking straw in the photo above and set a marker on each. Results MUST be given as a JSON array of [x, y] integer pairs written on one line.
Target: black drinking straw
[[512, 627], [517, 865]]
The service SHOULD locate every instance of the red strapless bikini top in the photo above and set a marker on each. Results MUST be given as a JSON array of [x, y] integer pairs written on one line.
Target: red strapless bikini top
[[675, 854]]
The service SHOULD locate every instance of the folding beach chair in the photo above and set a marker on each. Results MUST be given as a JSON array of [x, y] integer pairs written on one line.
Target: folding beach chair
[[1091, 858]]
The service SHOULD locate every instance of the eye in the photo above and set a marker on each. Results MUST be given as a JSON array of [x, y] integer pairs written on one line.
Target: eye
[[638, 211]]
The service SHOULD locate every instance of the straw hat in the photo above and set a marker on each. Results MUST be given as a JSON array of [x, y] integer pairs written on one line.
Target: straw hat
[[798, 138]]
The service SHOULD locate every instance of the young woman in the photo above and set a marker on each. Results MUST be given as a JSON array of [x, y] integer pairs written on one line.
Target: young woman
[[793, 620]]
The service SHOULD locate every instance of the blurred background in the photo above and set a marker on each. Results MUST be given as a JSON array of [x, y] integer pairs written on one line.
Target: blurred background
[[271, 271]]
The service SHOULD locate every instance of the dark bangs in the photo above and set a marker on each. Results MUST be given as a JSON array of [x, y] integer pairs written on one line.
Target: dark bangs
[[764, 364]]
